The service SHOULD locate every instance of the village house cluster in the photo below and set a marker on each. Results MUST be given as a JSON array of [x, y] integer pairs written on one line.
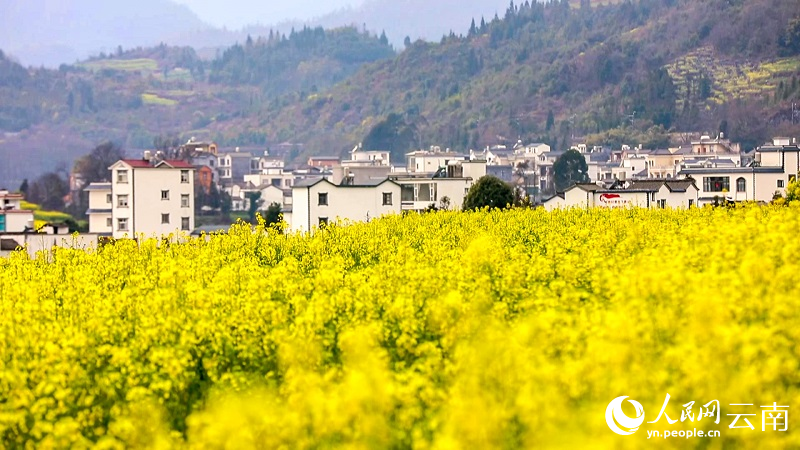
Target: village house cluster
[[156, 196]]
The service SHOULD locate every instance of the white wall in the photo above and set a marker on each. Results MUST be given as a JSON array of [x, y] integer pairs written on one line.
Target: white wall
[[17, 221], [122, 189], [98, 199], [351, 203], [98, 223], [45, 242], [676, 199], [625, 199], [300, 212], [149, 206], [269, 196], [144, 201]]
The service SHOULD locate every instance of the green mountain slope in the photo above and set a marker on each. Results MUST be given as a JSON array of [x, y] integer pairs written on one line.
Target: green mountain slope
[[49, 117], [594, 68], [627, 72]]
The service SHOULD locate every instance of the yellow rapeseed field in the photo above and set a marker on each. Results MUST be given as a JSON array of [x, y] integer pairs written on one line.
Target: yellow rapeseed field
[[448, 330]]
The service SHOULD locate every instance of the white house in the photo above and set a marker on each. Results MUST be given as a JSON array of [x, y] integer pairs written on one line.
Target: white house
[[662, 193], [360, 157], [534, 149], [774, 167], [14, 219], [151, 197], [100, 209], [318, 202], [423, 161]]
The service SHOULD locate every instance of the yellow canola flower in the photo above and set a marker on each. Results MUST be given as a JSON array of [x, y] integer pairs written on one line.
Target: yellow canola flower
[[448, 330]]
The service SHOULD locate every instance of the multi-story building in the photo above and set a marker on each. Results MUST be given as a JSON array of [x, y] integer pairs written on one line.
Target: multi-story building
[[14, 219], [151, 197], [100, 209], [774, 167], [233, 166], [371, 158], [429, 161]]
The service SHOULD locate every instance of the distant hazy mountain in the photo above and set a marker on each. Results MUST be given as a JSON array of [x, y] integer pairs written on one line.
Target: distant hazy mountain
[[418, 19], [51, 32], [425, 19]]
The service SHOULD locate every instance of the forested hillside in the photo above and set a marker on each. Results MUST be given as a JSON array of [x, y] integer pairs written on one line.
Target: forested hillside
[[551, 72], [634, 72], [49, 117]]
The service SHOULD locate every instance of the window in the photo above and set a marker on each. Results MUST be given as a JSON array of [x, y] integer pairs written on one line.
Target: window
[[122, 176], [164, 195], [792, 178], [662, 203], [716, 184], [184, 176], [109, 198], [323, 221], [109, 224], [691, 203], [122, 224], [2, 222], [741, 185], [184, 200], [164, 218], [322, 199], [653, 196], [387, 198], [122, 201], [185, 223], [780, 183]]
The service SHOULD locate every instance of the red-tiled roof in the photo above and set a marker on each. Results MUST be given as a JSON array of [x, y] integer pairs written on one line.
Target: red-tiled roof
[[143, 164], [136, 162]]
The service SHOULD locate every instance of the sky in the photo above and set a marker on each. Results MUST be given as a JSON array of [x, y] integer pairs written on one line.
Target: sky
[[235, 14]]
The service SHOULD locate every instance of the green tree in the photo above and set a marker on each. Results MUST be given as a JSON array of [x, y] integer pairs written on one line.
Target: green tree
[[272, 214], [94, 166], [23, 188], [394, 134], [570, 168], [255, 202], [49, 191], [790, 42], [489, 191]]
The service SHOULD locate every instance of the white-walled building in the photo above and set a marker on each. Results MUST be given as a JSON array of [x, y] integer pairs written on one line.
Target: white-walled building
[[774, 167], [151, 197], [360, 158], [100, 209], [316, 202], [14, 219], [625, 194], [424, 161], [534, 149]]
